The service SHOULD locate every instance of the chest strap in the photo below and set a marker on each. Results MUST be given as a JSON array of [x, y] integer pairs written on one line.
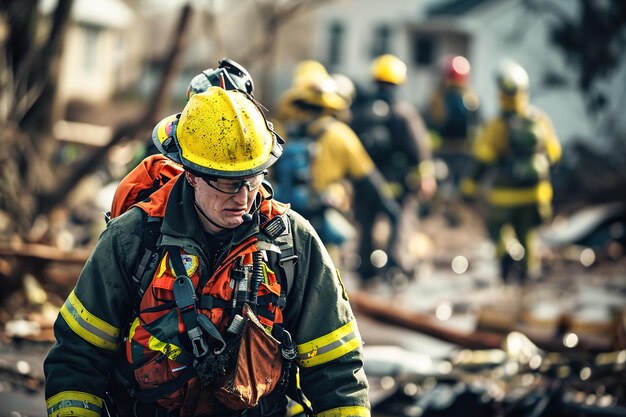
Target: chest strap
[[185, 295]]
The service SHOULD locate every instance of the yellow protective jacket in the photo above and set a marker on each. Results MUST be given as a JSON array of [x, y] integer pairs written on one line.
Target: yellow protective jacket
[[521, 150], [339, 154]]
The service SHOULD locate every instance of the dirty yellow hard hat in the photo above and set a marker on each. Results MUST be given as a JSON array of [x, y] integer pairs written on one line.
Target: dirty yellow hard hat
[[219, 133], [389, 68]]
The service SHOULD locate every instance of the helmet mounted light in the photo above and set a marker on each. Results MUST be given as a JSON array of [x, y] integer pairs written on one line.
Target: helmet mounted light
[[228, 75]]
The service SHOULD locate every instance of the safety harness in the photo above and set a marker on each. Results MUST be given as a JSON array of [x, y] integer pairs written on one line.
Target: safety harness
[[275, 239]]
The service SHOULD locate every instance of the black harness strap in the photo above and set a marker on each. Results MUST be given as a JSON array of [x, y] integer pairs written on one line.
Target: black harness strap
[[279, 230], [187, 301], [185, 295], [210, 302], [142, 276]]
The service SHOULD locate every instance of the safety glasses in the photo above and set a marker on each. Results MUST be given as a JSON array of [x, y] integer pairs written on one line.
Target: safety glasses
[[233, 186]]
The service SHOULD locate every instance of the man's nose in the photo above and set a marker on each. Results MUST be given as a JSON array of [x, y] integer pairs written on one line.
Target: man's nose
[[242, 196]]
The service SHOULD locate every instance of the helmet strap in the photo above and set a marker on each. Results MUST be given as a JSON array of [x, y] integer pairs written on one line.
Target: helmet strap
[[195, 203]]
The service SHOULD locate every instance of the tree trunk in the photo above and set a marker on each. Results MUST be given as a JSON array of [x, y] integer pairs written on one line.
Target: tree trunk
[[29, 91]]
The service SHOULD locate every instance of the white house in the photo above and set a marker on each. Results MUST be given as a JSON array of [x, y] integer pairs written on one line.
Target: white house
[[98, 54], [349, 33]]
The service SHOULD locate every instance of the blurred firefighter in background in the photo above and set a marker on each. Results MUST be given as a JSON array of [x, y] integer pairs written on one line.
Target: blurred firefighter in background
[[321, 156], [452, 117], [286, 120], [347, 90], [517, 148], [396, 138]]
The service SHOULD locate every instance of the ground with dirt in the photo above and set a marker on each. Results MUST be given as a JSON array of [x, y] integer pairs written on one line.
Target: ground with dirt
[[455, 282]]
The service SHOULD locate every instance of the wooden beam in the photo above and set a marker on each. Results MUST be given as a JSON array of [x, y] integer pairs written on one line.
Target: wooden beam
[[43, 252]]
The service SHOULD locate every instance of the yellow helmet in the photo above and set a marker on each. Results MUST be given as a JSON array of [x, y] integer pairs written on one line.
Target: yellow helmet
[[345, 87], [513, 84], [389, 68], [219, 133], [308, 71], [511, 77], [319, 95]]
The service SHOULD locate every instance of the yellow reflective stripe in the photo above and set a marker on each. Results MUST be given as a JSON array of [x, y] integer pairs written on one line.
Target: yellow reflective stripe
[[162, 267], [133, 327], [94, 330], [168, 349], [331, 346], [541, 193], [294, 410], [355, 411], [75, 403]]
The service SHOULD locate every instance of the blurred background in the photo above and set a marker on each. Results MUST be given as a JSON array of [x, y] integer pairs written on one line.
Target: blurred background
[[83, 83]]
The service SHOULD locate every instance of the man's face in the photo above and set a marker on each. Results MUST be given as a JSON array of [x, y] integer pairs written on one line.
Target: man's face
[[224, 201]]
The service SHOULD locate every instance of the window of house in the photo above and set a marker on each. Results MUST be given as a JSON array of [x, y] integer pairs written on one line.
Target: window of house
[[423, 50], [90, 56], [335, 43], [381, 41]]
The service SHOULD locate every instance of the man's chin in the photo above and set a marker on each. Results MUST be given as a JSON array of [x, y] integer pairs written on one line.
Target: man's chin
[[233, 221]]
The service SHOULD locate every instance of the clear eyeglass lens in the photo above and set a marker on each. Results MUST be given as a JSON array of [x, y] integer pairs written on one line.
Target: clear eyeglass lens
[[234, 186]]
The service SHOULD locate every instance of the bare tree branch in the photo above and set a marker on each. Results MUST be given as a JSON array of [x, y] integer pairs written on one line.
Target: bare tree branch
[[281, 16], [131, 129]]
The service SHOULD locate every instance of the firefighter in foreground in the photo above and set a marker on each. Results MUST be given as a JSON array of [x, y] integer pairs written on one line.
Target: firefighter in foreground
[[396, 138], [243, 293], [322, 157], [518, 148]]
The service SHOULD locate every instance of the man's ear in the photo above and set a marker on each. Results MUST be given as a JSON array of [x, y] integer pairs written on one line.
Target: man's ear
[[191, 179]]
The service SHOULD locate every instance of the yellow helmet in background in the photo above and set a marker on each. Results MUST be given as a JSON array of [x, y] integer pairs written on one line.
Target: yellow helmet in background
[[389, 69], [513, 85], [511, 77], [345, 87], [317, 95], [309, 71], [219, 133]]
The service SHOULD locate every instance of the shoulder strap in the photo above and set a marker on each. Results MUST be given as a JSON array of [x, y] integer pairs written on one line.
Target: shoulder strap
[[146, 265], [288, 257], [186, 302], [278, 229]]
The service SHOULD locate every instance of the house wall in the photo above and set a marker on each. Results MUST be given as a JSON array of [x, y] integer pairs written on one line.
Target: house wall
[[102, 53], [360, 20], [88, 65]]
